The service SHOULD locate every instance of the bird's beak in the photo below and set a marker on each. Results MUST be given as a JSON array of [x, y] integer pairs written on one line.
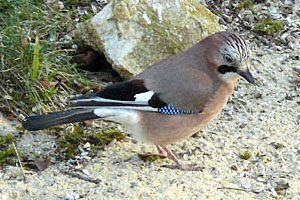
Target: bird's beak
[[247, 75]]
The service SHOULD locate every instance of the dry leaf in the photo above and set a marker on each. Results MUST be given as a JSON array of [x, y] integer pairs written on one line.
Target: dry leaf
[[41, 164]]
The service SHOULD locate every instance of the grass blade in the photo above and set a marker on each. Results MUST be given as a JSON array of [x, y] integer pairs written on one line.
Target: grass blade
[[36, 59]]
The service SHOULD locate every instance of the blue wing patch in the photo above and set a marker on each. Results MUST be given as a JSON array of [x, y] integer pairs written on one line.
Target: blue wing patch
[[170, 110]]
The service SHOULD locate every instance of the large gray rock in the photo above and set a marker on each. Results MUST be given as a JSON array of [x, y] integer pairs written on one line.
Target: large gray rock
[[134, 34]]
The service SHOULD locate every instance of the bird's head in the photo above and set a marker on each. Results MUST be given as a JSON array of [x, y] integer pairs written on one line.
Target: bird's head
[[232, 57]]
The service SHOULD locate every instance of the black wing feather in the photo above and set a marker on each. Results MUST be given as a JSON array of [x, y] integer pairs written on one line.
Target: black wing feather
[[123, 91]]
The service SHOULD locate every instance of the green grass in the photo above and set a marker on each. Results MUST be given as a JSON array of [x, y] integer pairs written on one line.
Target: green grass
[[37, 70], [35, 56]]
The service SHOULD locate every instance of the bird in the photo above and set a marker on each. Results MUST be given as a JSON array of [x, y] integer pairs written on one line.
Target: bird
[[169, 101]]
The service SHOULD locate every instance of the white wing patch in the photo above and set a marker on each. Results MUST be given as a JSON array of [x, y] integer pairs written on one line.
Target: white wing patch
[[99, 99], [143, 97], [141, 108]]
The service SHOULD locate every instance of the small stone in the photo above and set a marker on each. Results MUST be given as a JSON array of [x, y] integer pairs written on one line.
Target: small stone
[[258, 189], [228, 18], [110, 189], [87, 157], [86, 172], [87, 145], [273, 191], [291, 45], [265, 41], [94, 9], [185, 157], [84, 153], [258, 95], [249, 18], [69, 129], [246, 185], [234, 167], [278, 47], [261, 118], [78, 166], [133, 185], [78, 157], [72, 196], [260, 179]]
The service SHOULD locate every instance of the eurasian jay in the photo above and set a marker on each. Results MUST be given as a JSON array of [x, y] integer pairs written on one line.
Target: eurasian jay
[[171, 100]]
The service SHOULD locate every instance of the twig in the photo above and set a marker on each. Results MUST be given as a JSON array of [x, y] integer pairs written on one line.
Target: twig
[[82, 177], [18, 156], [231, 188]]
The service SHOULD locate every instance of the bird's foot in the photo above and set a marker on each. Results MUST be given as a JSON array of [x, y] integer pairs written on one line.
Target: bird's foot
[[179, 164]]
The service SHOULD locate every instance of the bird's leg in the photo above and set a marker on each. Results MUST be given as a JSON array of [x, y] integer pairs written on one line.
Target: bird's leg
[[161, 153], [179, 164]]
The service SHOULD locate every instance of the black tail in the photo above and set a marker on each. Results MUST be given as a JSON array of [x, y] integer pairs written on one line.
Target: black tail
[[58, 118]]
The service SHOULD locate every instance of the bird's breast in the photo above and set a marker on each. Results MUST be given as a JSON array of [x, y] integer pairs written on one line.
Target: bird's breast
[[216, 103]]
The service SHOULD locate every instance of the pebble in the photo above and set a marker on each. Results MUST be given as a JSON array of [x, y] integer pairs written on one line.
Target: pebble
[[87, 145], [72, 196], [246, 186], [273, 191], [260, 179], [84, 153], [86, 172]]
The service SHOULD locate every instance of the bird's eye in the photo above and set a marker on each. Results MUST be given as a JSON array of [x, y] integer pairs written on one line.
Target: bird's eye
[[228, 59]]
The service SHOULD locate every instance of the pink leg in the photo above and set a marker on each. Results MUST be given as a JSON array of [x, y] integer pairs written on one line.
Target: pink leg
[[179, 164], [161, 153]]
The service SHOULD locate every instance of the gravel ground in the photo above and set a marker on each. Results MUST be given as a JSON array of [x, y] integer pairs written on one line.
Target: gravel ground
[[262, 120]]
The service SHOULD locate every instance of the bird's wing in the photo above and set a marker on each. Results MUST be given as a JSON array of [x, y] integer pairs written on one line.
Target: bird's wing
[[181, 81], [188, 91]]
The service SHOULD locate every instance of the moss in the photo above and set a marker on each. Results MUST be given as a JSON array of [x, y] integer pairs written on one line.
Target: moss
[[71, 140], [246, 5], [149, 158], [268, 27], [71, 150], [69, 3], [277, 145], [105, 136], [75, 135], [245, 155], [7, 152], [88, 16]]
